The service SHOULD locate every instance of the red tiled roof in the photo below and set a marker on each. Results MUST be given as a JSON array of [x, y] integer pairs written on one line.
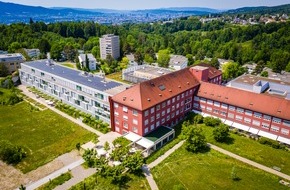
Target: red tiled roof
[[275, 106], [147, 94], [213, 72]]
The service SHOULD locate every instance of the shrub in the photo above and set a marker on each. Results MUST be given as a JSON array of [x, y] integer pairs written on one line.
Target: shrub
[[10, 153], [221, 133], [212, 122], [198, 119], [270, 142]]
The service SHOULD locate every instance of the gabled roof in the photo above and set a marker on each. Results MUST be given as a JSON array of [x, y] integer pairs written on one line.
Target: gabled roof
[[149, 93], [275, 106], [213, 72]]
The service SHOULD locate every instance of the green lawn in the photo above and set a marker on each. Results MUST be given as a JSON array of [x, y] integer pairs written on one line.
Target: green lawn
[[97, 182], [117, 76], [68, 64], [211, 170], [44, 134], [253, 150]]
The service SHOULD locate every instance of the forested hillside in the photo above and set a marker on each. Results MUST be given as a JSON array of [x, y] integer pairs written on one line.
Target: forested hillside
[[269, 44]]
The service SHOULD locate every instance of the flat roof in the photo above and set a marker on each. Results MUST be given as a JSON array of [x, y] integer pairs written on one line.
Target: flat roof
[[157, 71], [177, 59], [92, 81], [158, 133], [252, 79]]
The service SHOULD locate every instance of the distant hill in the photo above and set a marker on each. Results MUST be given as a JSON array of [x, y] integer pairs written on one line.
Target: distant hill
[[261, 10]]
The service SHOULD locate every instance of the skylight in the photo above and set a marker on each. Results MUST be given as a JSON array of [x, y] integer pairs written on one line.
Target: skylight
[[161, 87]]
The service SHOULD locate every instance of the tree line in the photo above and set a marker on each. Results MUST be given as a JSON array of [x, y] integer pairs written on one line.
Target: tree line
[[187, 36]]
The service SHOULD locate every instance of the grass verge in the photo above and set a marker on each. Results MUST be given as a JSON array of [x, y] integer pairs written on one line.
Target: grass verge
[[56, 182]]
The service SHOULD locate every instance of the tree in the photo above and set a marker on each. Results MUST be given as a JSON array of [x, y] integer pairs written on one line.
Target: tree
[[232, 70], [215, 63], [195, 140], [14, 46], [124, 63], [138, 57], [10, 153], [279, 60], [22, 187], [234, 175], [3, 70], [221, 133], [87, 62], [163, 58], [211, 121], [55, 51], [134, 162]]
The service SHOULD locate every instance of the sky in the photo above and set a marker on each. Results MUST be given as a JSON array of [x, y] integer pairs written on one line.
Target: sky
[[149, 4]]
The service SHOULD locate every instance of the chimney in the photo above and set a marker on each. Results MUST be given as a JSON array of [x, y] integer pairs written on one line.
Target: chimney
[[200, 72]]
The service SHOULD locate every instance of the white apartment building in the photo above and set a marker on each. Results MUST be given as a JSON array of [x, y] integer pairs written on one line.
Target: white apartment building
[[86, 92], [110, 45], [32, 53], [92, 61], [12, 61], [178, 62]]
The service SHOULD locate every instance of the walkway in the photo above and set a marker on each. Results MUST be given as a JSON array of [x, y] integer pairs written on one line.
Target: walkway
[[42, 101], [250, 162], [54, 175]]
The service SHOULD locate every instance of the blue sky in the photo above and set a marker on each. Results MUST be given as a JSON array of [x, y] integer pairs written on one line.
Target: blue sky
[[148, 4]]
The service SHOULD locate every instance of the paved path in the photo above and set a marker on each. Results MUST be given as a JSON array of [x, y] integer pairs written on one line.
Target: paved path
[[79, 174], [54, 175], [250, 162], [42, 101], [149, 178]]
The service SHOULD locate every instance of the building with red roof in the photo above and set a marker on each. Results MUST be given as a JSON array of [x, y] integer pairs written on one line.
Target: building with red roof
[[160, 103]]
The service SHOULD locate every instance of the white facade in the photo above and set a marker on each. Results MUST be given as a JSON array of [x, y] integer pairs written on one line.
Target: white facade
[[62, 83], [92, 61], [110, 45], [178, 62], [12, 61], [32, 52]]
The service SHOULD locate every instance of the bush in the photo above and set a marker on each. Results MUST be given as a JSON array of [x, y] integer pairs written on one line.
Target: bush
[[198, 119], [270, 142], [10, 153], [221, 133], [212, 122]]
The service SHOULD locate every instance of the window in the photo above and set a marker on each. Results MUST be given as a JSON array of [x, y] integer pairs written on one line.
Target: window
[[158, 107], [152, 110], [177, 105], [152, 127], [275, 128], [223, 113], [182, 95], [196, 105], [117, 129], [135, 112], [163, 104], [217, 104], [97, 104], [161, 87], [257, 115], [77, 102], [100, 96], [157, 123], [152, 119], [248, 112], [135, 121], [239, 118], [196, 98], [232, 108], [117, 122], [210, 102], [209, 109], [163, 121], [190, 92], [173, 100], [202, 107], [265, 125], [168, 110], [173, 108], [146, 130], [125, 125], [257, 123], [79, 88], [276, 120], [135, 129], [177, 112], [125, 117], [178, 97], [203, 100], [187, 100], [285, 131], [267, 117], [116, 105], [116, 113], [163, 113], [240, 110], [172, 115], [32, 70], [247, 120], [125, 109], [168, 118], [216, 111], [168, 102], [42, 74], [146, 113], [146, 122], [231, 115], [158, 116], [286, 123]]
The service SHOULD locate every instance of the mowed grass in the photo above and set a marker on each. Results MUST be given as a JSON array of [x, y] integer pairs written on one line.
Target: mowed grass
[[44, 134], [253, 150], [211, 170]]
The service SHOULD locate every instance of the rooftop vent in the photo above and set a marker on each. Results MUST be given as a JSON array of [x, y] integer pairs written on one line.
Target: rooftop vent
[[251, 104], [179, 86], [212, 94], [124, 98], [148, 99], [132, 99], [227, 98], [170, 90], [160, 94], [188, 83], [279, 111]]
